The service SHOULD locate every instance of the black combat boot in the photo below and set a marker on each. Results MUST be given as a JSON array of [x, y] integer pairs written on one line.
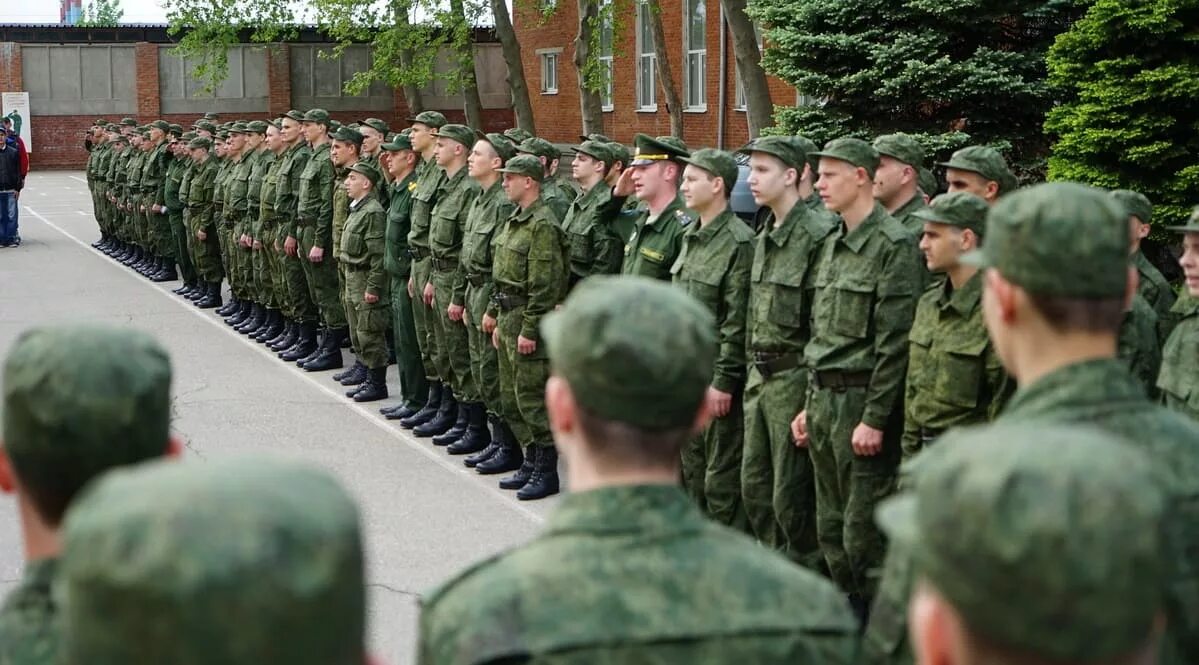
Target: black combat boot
[[322, 336], [253, 320], [166, 271], [455, 432], [132, 253], [243, 313], [544, 481], [428, 411], [497, 443], [400, 411], [330, 355], [357, 371], [212, 297], [233, 305], [524, 473], [183, 289], [271, 328], [444, 420], [259, 324], [375, 387], [199, 290], [476, 437], [287, 327], [304, 345]]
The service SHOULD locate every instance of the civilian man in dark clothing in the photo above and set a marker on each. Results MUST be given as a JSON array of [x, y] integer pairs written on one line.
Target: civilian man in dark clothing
[[12, 180]]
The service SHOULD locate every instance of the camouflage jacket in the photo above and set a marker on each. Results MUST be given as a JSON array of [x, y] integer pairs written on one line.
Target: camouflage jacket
[[557, 195], [530, 263], [429, 181], [29, 619], [287, 186], [199, 196], [486, 215], [636, 575], [172, 184], [1137, 345], [867, 284], [1157, 292], [363, 244], [447, 227], [594, 248], [1179, 377], [263, 160], [268, 218], [714, 266], [399, 222], [237, 189], [903, 215], [314, 200]]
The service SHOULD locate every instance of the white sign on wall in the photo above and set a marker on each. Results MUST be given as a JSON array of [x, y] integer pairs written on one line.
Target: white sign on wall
[[15, 106]]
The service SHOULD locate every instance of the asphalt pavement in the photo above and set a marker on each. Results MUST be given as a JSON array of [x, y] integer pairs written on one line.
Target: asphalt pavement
[[425, 516]]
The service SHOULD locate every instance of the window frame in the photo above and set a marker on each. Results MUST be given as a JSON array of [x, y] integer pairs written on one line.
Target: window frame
[[644, 106], [689, 52], [544, 57]]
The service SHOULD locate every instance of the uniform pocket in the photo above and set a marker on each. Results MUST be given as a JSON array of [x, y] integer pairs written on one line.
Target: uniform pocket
[[960, 373], [704, 288], [787, 306], [582, 248], [353, 244], [852, 306], [444, 230]]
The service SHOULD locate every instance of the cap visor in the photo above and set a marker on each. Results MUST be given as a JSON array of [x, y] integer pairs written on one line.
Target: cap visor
[[897, 518], [643, 162], [1183, 229], [976, 258]]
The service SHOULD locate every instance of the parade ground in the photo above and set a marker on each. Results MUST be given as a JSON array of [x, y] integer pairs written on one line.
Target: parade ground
[[424, 514]]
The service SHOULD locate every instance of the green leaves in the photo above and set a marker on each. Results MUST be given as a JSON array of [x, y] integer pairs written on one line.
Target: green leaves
[[101, 14]]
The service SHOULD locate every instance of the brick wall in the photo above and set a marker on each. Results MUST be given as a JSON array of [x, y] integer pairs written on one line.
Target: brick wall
[[558, 116], [10, 67]]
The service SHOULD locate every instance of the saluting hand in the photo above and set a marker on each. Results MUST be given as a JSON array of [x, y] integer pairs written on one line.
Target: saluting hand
[[624, 186]]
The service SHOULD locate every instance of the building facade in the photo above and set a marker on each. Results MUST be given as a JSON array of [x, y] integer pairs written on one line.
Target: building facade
[[701, 51]]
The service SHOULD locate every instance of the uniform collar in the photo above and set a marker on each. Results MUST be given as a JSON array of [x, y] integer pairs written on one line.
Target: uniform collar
[[656, 509], [527, 213], [965, 300], [671, 208], [915, 203], [704, 233], [857, 238], [1096, 381]]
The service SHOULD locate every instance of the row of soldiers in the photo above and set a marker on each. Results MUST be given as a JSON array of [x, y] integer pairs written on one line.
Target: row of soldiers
[[851, 326]]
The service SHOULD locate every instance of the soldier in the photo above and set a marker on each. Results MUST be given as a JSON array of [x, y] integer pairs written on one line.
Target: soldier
[[1137, 344], [154, 175], [201, 546], [201, 223], [488, 212], [172, 183], [1056, 280], [557, 195], [95, 182], [1071, 512], [1152, 286], [401, 161], [714, 267], [954, 376], [304, 314], [226, 148], [980, 170], [238, 209], [253, 267], [620, 161], [267, 243], [429, 179], [628, 566], [652, 235], [594, 248], [374, 133], [897, 181], [517, 135], [78, 400], [777, 484], [929, 187], [1180, 357], [314, 221], [531, 276], [867, 283], [344, 152]]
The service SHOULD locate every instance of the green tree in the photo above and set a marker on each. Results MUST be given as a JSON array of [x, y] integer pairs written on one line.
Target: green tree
[[1129, 72], [101, 14], [950, 72]]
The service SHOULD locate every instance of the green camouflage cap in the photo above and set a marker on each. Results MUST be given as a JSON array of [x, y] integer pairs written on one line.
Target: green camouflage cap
[[129, 122], [459, 133], [985, 161], [625, 342], [200, 142], [160, 124], [80, 399], [239, 561], [517, 135], [319, 116], [717, 162], [527, 165], [397, 143], [539, 147], [649, 149], [205, 125], [239, 128], [100, 122], [256, 127], [1058, 239], [783, 147], [294, 115], [144, 132], [222, 135], [809, 148], [1192, 225], [598, 138], [961, 209], [927, 182], [377, 125], [112, 127], [348, 135], [503, 146], [1070, 515], [1135, 204], [620, 153], [175, 129], [211, 116], [369, 170], [856, 152], [598, 150], [432, 119], [188, 136], [901, 147]]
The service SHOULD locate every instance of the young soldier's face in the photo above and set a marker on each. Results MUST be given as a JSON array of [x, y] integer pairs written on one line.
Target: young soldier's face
[[584, 166], [699, 188], [236, 143], [421, 136], [969, 181], [769, 177], [480, 163], [371, 138], [838, 184], [357, 185], [1190, 262], [274, 138], [889, 179], [313, 131], [340, 153], [291, 130], [942, 245]]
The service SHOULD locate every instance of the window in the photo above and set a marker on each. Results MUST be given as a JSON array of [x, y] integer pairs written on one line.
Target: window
[[695, 49], [549, 72], [647, 60], [739, 95], [605, 56]]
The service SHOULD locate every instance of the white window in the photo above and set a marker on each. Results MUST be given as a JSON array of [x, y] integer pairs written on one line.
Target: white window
[[549, 72], [647, 60], [695, 49], [605, 58]]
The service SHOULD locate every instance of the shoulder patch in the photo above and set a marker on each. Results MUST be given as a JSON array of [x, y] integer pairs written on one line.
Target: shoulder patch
[[655, 256], [412, 186], [684, 218]]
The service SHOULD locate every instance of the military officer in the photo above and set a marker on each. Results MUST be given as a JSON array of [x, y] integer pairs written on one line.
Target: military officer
[[897, 181], [1179, 378], [302, 342], [595, 249], [867, 283], [531, 276], [777, 483], [980, 170], [954, 376], [109, 406], [714, 267], [653, 235], [1152, 286], [627, 566]]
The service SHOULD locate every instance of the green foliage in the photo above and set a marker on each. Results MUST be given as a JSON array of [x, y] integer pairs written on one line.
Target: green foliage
[[612, 19], [1130, 74], [101, 14], [950, 72]]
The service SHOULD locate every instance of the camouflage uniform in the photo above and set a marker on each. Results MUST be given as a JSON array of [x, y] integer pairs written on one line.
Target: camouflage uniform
[[1156, 291], [200, 216], [430, 179], [176, 205], [287, 190], [264, 227], [258, 274], [594, 248], [1137, 344], [361, 253], [237, 213], [413, 385], [314, 222], [1180, 357]]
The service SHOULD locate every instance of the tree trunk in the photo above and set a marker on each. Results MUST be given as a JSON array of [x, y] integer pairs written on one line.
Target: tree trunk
[[472, 105], [589, 100], [522, 106], [759, 109], [674, 101], [412, 94]]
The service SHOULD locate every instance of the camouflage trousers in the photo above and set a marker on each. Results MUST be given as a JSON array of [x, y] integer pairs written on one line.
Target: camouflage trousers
[[295, 280], [225, 240], [244, 258], [777, 483], [711, 465], [368, 322], [207, 254], [849, 486], [322, 280], [182, 253], [885, 641], [522, 384], [453, 359], [235, 262], [414, 387], [159, 232], [272, 269], [484, 359], [262, 268], [422, 318]]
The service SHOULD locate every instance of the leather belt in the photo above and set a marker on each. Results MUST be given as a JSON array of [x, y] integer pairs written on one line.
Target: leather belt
[[507, 302], [838, 380], [477, 279], [416, 253], [444, 265], [768, 364]]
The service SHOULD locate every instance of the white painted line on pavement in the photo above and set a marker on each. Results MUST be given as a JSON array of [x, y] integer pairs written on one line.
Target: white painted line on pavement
[[451, 464], [75, 177]]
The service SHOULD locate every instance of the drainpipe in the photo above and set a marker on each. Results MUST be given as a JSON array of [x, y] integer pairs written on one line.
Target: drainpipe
[[720, 87]]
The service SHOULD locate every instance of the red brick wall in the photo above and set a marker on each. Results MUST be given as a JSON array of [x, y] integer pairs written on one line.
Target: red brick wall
[[558, 116], [10, 67], [279, 79], [148, 91]]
